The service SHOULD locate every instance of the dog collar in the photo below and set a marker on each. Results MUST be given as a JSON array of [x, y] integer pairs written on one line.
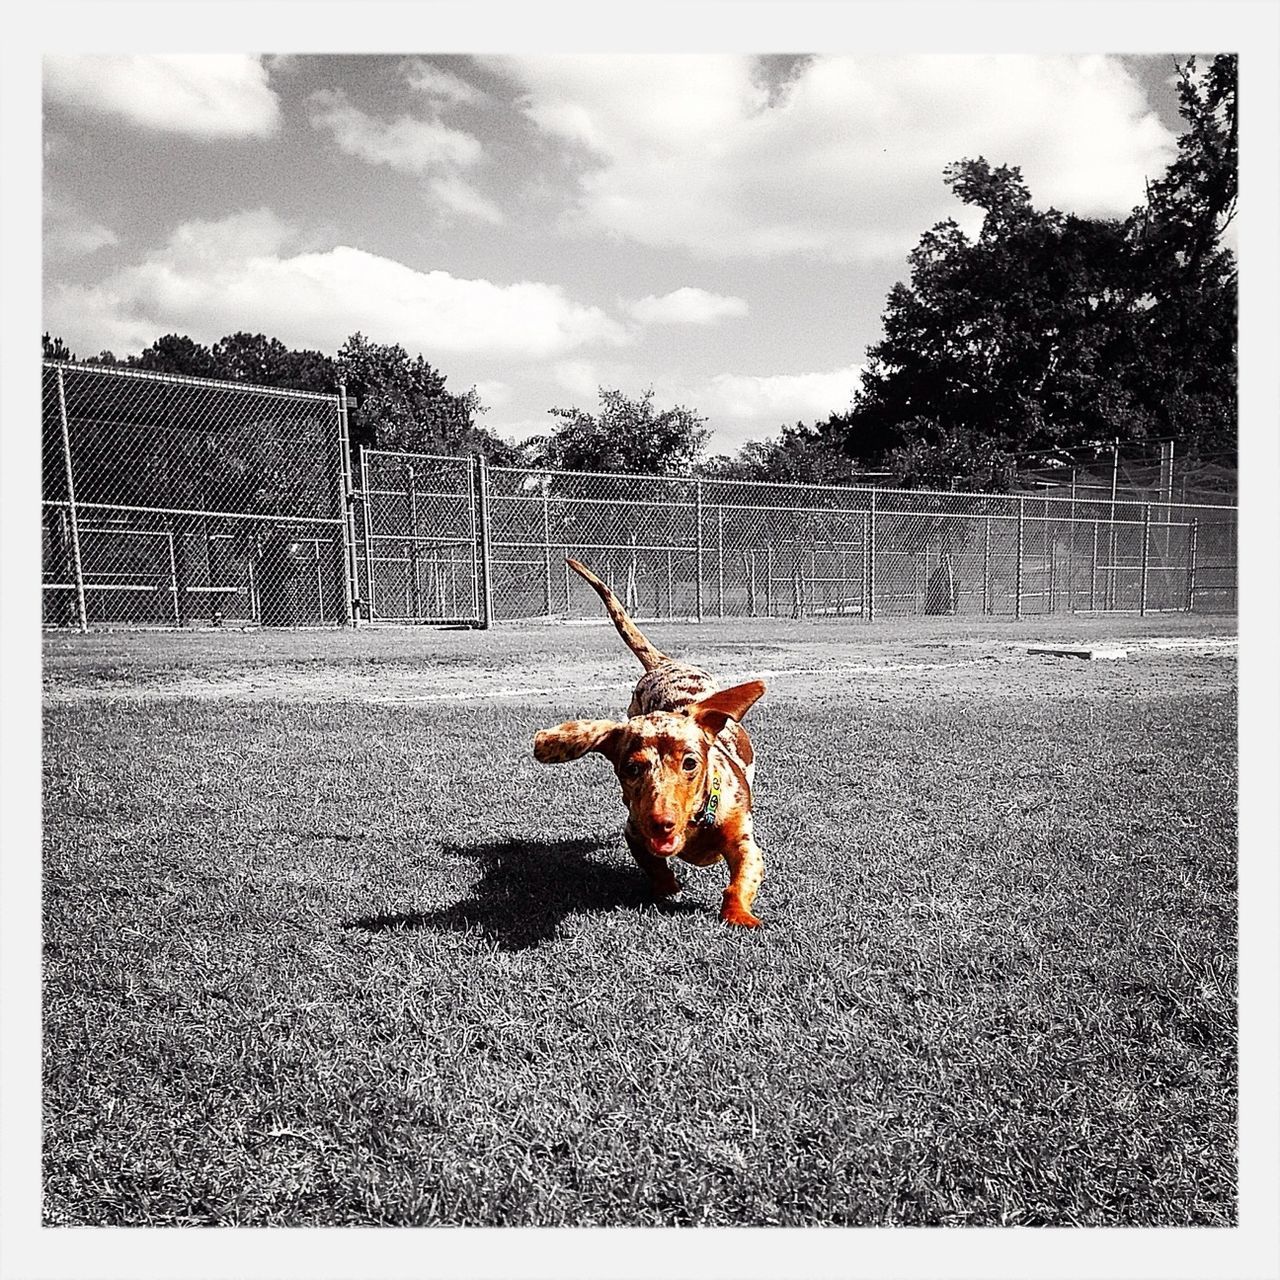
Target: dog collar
[[707, 818]]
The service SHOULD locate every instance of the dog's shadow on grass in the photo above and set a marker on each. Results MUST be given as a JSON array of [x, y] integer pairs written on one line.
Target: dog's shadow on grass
[[527, 888]]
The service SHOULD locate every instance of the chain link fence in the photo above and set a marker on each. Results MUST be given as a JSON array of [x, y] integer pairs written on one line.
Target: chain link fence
[[175, 501], [172, 501], [680, 547]]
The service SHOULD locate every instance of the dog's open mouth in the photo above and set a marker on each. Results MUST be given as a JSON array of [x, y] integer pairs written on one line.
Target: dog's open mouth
[[665, 846]]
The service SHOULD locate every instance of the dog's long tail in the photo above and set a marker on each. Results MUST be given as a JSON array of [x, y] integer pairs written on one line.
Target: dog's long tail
[[630, 633]]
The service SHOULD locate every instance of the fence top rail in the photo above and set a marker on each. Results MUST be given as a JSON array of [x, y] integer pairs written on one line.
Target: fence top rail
[[463, 459], [186, 380], [860, 490]]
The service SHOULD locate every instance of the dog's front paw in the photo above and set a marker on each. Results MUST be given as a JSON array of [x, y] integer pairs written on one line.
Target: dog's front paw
[[735, 913]]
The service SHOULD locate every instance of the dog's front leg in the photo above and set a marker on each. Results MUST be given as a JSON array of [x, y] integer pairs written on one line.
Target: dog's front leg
[[658, 870], [746, 871]]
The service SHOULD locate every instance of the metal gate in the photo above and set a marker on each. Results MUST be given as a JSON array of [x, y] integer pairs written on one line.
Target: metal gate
[[418, 535]]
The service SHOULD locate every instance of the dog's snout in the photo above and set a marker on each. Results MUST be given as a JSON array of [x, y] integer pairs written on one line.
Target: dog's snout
[[664, 822]]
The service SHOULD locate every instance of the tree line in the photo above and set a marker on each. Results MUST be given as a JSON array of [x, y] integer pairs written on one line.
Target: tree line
[[1042, 337]]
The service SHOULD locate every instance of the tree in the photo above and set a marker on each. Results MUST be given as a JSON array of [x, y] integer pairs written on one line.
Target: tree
[[55, 349], [176, 353], [1193, 204], [1189, 331], [625, 435], [999, 346], [1048, 331], [400, 402], [797, 455], [253, 357]]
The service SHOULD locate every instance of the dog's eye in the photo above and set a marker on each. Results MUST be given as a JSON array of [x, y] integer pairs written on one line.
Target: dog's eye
[[633, 768], [690, 763]]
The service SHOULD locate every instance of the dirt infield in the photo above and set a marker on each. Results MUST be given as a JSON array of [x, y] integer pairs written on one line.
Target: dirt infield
[[544, 663]]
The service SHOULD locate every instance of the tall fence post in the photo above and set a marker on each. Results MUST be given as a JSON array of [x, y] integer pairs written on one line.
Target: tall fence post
[[346, 482], [1071, 550], [367, 503], [698, 570], [866, 529], [1017, 573], [719, 562], [546, 542], [1109, 591], [986, 566], [871, 559], [1146, 557], [415, 579], [173, 580], [486, 548], [1049, 542], [1093, 571], [1191, 565], [77, 567]]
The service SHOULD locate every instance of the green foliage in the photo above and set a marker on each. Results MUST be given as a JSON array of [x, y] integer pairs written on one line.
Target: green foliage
[[626, 435], [1193, 204], [400, 402], [1049, 331], [253, 357], [54, 348], [1190, 279], [176, 353], [797, 455]]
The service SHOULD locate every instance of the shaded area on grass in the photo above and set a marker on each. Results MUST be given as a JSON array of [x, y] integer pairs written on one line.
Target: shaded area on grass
[[527, 889]]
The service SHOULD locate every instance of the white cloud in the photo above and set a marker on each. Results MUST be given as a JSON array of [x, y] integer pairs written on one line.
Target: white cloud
[[282, 64], [204, 96], [780, 398], [213, 278], [685, 306], [428, 148], [436, 83], [845, 163], [70, 233], [406, 144], [494, 394], [579, 378], [457, 194]]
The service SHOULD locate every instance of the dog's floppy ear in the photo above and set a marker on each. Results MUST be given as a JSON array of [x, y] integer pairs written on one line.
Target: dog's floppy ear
[[716, 710], [575, 738]]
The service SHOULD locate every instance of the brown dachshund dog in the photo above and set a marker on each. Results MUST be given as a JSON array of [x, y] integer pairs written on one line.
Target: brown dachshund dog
[[685, 765]]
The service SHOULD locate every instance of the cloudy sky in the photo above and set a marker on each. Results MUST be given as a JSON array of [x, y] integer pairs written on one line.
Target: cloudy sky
[[722, 228]]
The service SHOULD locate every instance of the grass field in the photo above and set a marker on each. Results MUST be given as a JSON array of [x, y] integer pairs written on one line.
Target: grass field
[[324, 946]]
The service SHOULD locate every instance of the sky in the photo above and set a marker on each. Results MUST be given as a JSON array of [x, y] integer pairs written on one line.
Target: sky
[[721, 228]]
